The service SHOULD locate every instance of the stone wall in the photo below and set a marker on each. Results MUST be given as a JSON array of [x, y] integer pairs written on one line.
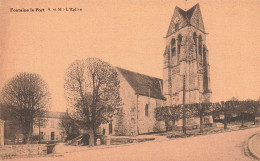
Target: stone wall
[[20, 150], [148, 123], [125, 122], [194, 69]]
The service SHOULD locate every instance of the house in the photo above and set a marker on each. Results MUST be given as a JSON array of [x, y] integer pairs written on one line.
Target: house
[[49, 128]]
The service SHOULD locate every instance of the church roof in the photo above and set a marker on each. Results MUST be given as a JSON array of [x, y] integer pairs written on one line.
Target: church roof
[[186, 18], [143, 84]]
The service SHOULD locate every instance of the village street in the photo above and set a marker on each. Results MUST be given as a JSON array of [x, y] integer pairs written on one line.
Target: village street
[[228, 146]]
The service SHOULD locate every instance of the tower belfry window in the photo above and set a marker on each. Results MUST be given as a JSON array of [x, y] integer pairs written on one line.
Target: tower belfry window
[[179, 46], [173, 48], [195, 41], [200, 45]]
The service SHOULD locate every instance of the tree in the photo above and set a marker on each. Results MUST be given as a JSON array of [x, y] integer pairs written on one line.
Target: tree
[[169, 113], [241, 108], [26, 97], [200, 110], [70, 127], [92, 89], [225, 108], [253, 108]]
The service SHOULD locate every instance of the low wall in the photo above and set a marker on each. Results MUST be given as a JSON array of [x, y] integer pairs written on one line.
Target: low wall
[[19, 150]]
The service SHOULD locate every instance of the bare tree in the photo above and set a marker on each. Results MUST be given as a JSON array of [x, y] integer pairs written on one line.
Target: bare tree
[[92, 89], [26, 97]]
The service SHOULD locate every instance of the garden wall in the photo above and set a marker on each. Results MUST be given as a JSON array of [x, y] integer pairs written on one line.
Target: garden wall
[[19, 150]]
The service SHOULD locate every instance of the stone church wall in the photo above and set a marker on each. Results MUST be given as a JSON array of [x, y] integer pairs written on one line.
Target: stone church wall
[[148, 123], [125, 122]]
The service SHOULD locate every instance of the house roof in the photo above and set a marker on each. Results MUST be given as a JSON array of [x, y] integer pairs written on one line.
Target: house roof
[[143, 84], [55, 114]]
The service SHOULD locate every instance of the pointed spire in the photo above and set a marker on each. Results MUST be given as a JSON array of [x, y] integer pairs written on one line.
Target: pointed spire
[[185, 18]]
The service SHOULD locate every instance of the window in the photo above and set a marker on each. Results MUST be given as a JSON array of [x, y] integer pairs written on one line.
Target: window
[[195, 40], [110, 128], [179, 46], [200, 45], [52, 123], [146, 110], [173, 49], [205, 74]]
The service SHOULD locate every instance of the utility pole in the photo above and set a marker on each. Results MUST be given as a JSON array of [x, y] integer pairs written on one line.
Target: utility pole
[[184, 111]]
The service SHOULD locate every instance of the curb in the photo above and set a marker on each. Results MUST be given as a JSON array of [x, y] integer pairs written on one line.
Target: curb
[[250, 147]]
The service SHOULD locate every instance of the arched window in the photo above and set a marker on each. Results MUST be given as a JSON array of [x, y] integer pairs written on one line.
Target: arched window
[[200, 45], [205, 74], [204, 55], [146, 110], [179, 46], [195, 40], [173, 48]]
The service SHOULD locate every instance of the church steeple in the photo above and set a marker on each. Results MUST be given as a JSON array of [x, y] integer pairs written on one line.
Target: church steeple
[[181, 19], [186, 54]]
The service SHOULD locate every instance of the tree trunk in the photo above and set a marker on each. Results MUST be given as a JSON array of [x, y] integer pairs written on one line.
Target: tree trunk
[[201, 122], [254, 118], [242, 119], [225, 121], [29, 138], [91, 137], [173, 125]]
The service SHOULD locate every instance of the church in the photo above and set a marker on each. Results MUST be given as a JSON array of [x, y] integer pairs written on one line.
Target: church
[[186, 78]]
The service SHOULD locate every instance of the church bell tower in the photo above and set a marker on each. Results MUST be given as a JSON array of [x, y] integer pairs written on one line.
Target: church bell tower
[[186, 64]]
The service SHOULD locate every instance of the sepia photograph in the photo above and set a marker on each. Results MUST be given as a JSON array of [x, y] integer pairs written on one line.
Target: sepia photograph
[[129, 80]]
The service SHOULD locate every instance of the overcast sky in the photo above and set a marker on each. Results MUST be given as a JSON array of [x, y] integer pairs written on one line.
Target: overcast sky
[[128, 34]]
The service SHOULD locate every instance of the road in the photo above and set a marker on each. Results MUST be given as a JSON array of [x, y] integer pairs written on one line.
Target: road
[[228, 146]]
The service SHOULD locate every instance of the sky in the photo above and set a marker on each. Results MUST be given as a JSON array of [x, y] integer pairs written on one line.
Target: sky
[[128, 34]]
